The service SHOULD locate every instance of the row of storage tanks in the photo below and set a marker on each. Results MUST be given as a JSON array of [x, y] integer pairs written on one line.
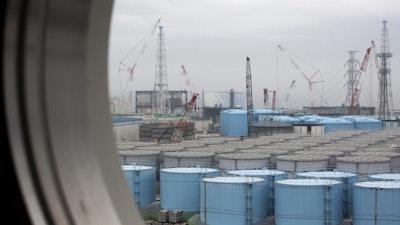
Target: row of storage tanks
[[234, 121], [190, 173], [250, 196]]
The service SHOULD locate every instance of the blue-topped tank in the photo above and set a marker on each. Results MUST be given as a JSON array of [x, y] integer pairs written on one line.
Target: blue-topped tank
[[234, 123], [376, 202], [286, 119], [364, 122], [141, 182], [233, 200], [308, 202], [180, 187], [347, 178], [336, 124], [270, 175]]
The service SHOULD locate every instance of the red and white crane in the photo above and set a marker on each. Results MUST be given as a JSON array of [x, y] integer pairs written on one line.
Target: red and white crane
[[129, 62]]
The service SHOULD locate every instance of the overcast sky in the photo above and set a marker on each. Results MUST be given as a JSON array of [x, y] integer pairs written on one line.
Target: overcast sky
[[212, 39]]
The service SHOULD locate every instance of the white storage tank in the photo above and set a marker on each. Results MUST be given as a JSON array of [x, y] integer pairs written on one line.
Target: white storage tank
[[302, 163], [308, 202], [141, 181], [243, 160], [363, 165], [180, 187], [348, 180], [384, 176], [270, 175], [376, 202], [233, 200], [188, 156]]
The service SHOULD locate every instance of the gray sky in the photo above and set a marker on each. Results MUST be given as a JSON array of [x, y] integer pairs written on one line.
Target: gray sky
[[212, 39]]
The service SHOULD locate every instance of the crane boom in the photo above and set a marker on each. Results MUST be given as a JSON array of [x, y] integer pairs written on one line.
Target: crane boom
[[182, 122]]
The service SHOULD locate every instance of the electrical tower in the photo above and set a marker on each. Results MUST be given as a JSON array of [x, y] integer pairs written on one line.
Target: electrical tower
[[353, 74], [249, 98], [160, 98], [385, 110]]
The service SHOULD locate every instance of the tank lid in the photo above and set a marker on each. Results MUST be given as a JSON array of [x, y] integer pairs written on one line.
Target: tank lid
[[233, 179], [136, 167], [189, 170], [258, 172], [379, 184], [386, 176], [326, 174], [309, 182]]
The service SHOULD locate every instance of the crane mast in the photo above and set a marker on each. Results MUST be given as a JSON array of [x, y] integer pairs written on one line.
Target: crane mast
[[249, 97]]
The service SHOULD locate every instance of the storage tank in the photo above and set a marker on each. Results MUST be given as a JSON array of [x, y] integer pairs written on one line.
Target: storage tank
[[363, 165], [180, 187], [141, 181], [270, 175], [234, 123], [348, 180], [188, 156], [376, 202], [243, 160], [130, 156], [233, 200], [302, 163], [384, 176], [308, 202]]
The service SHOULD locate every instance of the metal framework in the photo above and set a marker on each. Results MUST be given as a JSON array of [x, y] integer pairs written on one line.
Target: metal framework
[[385, 109], [249, 97], [160, 99], [353, 74]]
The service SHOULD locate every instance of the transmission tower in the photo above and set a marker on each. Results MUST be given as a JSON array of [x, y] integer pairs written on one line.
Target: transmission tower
[[353, 74], [385, 87], [160, 98]]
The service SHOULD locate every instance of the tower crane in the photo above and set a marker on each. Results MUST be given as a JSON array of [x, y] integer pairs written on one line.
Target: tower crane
[[126, 66]]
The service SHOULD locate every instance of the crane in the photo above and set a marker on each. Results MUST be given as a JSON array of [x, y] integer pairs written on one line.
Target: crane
[[129, 67], [266, 98], [180, 127], [249, 98], [355, 98], [316, 77]]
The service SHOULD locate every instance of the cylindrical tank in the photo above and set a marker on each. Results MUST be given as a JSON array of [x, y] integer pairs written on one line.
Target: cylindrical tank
[[233, 200], [363, 165], [297, 163], [141, 181], [384, 176], [180, 187], [270, 175], [243, 160], [308, 202], [188, 157], [376, 202], [348, 180]]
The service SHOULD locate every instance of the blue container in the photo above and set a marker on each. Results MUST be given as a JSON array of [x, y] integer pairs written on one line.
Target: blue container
[[270, 175], [376, 202], [180, 187], [236, 123], [308, 202], [347, 178], [233, 200], [364, 123], [336, 124], [141, 182]]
